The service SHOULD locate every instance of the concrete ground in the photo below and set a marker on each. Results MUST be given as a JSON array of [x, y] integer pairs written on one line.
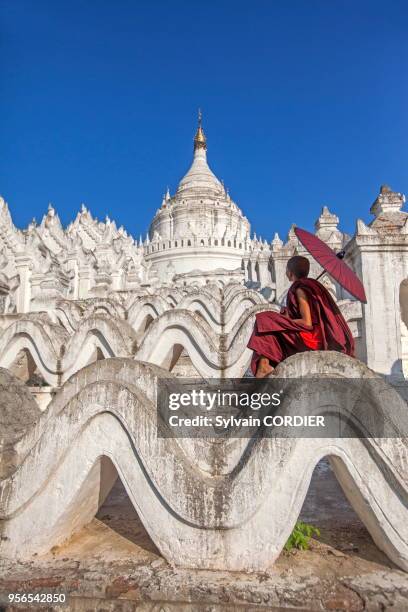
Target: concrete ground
[[112, 565]]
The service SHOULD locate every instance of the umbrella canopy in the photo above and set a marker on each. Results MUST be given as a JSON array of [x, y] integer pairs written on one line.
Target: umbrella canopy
[[332, 263]]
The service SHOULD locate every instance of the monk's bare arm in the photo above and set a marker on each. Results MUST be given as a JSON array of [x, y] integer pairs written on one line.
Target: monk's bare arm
[[304, 309]]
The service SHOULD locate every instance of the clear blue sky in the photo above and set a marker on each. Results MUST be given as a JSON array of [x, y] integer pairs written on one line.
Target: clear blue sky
[[304, 103]]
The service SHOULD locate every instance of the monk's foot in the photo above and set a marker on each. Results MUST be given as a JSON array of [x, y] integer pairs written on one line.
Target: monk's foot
[[264, 371]]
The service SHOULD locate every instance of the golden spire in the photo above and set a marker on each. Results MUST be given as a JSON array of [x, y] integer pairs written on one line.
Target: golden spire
[[200, 141]]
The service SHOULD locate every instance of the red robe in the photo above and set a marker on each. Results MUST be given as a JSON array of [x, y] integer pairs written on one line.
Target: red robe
[[276, 336]]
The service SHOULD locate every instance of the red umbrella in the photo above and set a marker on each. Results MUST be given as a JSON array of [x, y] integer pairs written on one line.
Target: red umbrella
[[332, 263]]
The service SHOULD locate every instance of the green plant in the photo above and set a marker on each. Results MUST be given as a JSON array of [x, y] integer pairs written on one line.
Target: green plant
[[300, 536]]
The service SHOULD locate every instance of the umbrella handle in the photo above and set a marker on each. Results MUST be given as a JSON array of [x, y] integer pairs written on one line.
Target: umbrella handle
[[340, 255]]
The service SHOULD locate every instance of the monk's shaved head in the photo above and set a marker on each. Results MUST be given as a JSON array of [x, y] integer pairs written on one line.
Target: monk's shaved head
[[299, 266]]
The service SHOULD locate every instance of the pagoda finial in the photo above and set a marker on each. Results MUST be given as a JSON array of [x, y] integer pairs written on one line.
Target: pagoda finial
[[200, 141]]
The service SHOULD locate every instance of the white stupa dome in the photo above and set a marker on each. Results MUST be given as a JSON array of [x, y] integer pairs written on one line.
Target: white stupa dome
[[200, 228]]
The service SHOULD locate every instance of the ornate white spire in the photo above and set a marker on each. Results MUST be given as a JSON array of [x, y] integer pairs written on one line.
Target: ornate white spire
[[200, 177], [388, 201], [276, 243]]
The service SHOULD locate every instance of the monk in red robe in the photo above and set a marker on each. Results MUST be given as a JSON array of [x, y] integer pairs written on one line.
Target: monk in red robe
[[311, 321]]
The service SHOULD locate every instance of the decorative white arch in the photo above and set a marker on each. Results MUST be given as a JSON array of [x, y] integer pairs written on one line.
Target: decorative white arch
[[238, 520]]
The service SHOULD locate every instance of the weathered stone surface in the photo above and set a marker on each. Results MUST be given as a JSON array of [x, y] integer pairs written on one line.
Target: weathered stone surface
[[18, 415], [103, 422], [112, 564]]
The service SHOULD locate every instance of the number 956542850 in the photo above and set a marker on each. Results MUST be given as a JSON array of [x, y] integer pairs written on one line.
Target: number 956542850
[[36, 598]]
